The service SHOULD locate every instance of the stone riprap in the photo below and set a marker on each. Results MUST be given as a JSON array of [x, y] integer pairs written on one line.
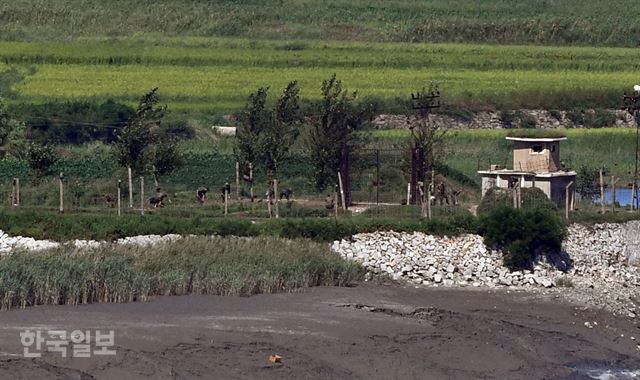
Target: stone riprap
[[598, 253], [493, 120], [439, 261], [10, 244], [600, 274]]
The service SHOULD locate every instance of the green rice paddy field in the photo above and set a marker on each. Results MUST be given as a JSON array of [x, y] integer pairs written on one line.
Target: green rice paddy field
[[213, 76]]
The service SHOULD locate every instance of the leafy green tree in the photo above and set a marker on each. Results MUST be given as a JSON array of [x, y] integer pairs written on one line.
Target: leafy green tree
[[132, 147], [283, 130], [333, 135], [587, 183], [252, 123], [265, 135], [41, 159], [135, 138], [166, 157], [13, 141]]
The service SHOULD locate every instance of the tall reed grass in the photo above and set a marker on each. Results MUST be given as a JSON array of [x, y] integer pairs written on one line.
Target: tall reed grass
[[202, 265]]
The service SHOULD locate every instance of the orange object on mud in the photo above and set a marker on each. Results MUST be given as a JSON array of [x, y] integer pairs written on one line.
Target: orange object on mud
[[275, 358]]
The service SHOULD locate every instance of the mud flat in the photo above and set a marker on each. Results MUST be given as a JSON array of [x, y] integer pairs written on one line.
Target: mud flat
[[363, 332]]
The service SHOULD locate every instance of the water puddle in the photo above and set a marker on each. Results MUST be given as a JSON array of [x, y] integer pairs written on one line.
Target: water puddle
[[604, 373]]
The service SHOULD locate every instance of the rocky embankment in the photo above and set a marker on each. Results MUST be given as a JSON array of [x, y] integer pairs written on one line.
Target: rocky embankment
[[10, 244], [494, 120], [600, 268]]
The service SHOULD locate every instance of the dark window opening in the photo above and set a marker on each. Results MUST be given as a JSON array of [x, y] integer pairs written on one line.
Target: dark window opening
[[537, 148]]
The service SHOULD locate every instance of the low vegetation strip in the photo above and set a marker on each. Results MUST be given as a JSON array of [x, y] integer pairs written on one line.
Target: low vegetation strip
[[95, 226], [200, 265]]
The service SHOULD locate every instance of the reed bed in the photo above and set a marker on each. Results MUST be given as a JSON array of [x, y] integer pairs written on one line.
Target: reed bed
[[199, 265]]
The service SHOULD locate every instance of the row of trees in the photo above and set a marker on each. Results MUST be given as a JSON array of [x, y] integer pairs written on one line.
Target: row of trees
[[266, 134]]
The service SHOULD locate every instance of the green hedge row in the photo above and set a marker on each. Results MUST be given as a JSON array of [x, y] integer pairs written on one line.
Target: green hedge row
[[51, 225]]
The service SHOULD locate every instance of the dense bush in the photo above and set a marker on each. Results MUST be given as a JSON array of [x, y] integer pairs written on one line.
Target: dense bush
[[532, 198], [587, 183], [523, 235], [556, 114], [599, 118], [528, 121], [74, 122]]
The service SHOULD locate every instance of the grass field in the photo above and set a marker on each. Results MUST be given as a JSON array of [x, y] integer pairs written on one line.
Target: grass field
[[568, 22], [214, 76], [610, 148]]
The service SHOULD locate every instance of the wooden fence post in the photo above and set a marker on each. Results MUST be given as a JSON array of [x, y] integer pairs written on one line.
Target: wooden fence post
[[567, 201], [336, 202], [15, 192], [119, 197], [613, 193], [408, 193], [429, 202], [344, 202], [601, 192], [226, 200], [237, 180], [251, 180], [130, 187], [275, 195], [60, 180], [141, 195]]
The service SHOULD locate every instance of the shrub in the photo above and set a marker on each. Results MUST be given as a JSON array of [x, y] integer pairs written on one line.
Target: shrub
[[576, 116], [507, 118], [522, 235], [460, 113], [528, 122], [556, 114], [532, 198], [599, 118], [587, 183]]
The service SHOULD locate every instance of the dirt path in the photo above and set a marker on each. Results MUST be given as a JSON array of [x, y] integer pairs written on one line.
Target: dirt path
[[364, 332]]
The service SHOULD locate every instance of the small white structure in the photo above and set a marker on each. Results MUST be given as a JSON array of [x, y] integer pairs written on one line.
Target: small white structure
[[536, 163], [224, 131]]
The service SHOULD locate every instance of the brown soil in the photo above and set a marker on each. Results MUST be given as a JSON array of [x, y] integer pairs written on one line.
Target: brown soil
[[363, 332]]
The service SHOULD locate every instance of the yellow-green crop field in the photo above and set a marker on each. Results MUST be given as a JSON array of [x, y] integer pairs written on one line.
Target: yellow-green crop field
[[214, 75]]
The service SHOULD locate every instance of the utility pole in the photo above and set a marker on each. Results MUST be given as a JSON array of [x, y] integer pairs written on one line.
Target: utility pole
[[423, 102], [632, 105]]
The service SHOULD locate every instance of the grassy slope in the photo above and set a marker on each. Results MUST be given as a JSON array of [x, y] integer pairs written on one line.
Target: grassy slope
[[590, 22]]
